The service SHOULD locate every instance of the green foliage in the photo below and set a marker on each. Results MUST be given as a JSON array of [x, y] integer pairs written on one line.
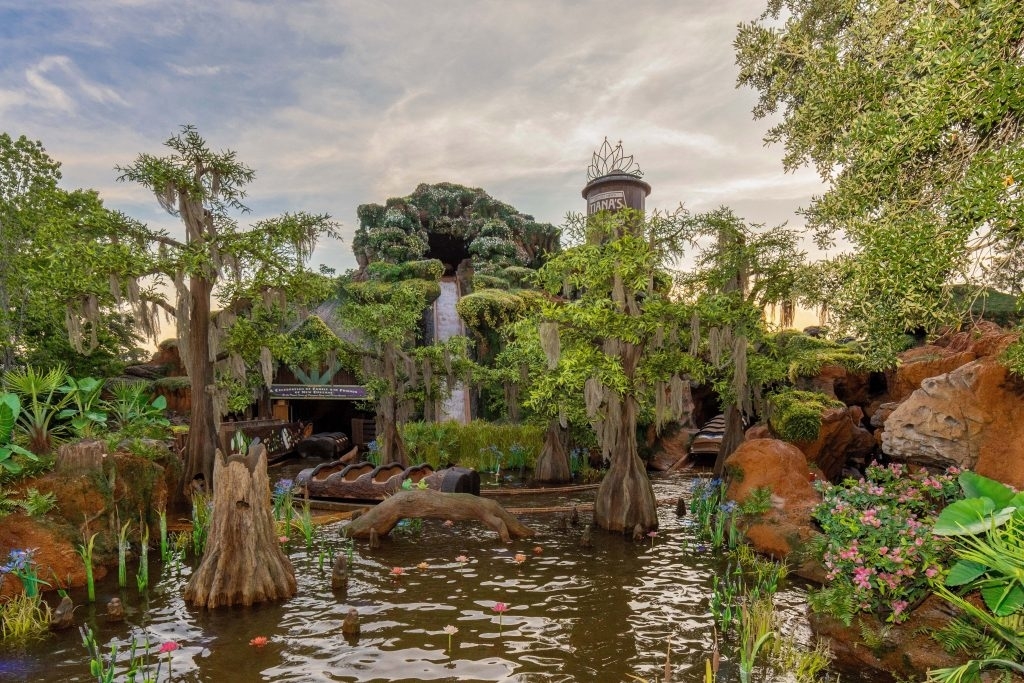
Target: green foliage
[[909, 113], [86, 416], [491, 309], [494, 233], [878, 540], [10, 407], [23, 617], [796, 415], [835, 599], [1013, 357], [427, 269], [41, 402], [469, 445], [134, 413], [36, 504]]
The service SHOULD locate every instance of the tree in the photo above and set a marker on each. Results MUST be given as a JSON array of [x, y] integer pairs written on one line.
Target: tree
[[202, 187], [613, 304], [911, 113], [44, 230]]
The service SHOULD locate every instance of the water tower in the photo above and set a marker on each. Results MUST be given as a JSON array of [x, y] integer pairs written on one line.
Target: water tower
[[613, 181]]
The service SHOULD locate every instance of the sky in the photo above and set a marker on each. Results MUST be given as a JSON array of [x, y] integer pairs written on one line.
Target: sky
[[337, 103]]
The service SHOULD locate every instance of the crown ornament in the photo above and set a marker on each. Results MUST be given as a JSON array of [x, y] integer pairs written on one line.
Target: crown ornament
[[608, 160]]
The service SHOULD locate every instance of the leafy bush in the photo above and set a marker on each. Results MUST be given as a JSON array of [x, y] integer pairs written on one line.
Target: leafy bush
[[37, 504], [470, 445], [796, 415], [878, 536]]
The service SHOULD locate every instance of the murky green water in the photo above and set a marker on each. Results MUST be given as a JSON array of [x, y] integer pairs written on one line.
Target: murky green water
[[574, 614]]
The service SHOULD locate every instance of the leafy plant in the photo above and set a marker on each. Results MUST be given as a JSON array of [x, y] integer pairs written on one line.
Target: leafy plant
[[24, 616], [878, 536], [86, 419], [135, 413], [10, 407], [41, 404], [20, 564], [85, 551], [36, 504]]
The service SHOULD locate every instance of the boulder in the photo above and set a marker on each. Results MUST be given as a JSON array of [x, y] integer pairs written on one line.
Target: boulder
[[920, 363], [972, 417], [56, 560], [984, 339], [783, 469], [840, 440], [852, 388], [670, 448]]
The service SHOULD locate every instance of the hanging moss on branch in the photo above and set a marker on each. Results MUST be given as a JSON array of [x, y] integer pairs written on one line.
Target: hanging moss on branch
[[491, 309], [796, 415]]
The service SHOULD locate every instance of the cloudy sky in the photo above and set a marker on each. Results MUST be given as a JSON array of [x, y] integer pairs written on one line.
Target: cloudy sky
[[336, 103]]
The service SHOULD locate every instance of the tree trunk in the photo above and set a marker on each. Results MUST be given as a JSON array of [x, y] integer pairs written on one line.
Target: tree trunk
[[625, 498], [243, 563], [389, 439], [202, 431], [731, 439], [436, 505], [553, 464]]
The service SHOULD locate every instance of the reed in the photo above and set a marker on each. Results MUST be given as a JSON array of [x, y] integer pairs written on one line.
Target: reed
[[142, 577], [122, 556], [85, 551]]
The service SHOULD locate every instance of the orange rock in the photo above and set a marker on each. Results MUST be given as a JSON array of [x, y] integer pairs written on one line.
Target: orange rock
[[840, 439], [920, 363], [972, 418]]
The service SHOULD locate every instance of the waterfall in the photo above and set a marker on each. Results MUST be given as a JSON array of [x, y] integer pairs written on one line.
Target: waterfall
[[448, 324]]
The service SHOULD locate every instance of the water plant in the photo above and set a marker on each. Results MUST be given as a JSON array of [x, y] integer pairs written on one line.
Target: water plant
[[499, 608], [202, 509], [450, 631], [122, 555], [304, 523], [373, 454], [23, 616], [20, 564], [105, 668], [165, 550], [877, 537], [142, 577], [85, 552], [282, 499], [756, 622]]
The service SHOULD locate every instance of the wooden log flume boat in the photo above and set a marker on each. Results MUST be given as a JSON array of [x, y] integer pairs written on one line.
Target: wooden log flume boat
[[364, 481]]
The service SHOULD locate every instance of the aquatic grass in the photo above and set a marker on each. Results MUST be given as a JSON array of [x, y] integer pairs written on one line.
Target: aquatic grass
[[282, 498], [304, 524], [202, 510], [142, 577], [756, 629], [105, 668], [165, 548], [122, 556], [85, 551], [23, 617]]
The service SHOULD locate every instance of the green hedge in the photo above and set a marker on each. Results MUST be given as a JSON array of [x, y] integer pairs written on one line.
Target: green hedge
[[470, 445]]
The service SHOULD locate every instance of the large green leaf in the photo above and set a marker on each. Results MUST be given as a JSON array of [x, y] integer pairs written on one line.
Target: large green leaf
[[10, 406], [964, 572], [1003, 599], [970, 516], [978, 486]]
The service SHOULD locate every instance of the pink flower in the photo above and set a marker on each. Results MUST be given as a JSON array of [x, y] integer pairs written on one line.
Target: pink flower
[[898, 606], [500, 607], [520, 558], [259, 641], [169, 646], [397, 571], [462, 558], [931, 572], [282, 539]]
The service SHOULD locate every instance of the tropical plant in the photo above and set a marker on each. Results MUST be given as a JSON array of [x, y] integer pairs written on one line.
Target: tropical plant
[[23, 616], [877, 537], [84, 395], [41, 403], [134, 413], [10, 407]]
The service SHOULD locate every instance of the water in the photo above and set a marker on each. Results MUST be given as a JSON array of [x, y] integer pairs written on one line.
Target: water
[[600, 614]]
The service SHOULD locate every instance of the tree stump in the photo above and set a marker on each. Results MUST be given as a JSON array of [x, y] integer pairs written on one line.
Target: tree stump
[[81, 457], [243, 563], [437, 505]]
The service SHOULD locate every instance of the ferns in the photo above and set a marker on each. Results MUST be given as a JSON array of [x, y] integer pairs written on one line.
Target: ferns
[[835, 600], [960, 636]]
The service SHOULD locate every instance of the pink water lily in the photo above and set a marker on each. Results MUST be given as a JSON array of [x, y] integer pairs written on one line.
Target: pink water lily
[[500, 608], [169, 646], [397, 571]]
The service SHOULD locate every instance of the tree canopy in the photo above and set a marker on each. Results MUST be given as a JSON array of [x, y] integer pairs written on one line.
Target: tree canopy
[[912, 113]]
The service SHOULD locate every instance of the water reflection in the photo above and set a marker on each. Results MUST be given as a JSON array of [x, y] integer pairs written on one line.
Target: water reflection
[[574, 614]]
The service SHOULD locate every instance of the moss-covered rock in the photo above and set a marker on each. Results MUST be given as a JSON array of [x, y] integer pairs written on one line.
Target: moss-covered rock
[[495, 234], [796, 415]]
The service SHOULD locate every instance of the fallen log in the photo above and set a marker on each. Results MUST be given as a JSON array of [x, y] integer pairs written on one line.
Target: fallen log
[[437, 505]]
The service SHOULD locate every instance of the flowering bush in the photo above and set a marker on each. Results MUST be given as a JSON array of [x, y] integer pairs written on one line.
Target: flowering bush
[[878, 544]]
